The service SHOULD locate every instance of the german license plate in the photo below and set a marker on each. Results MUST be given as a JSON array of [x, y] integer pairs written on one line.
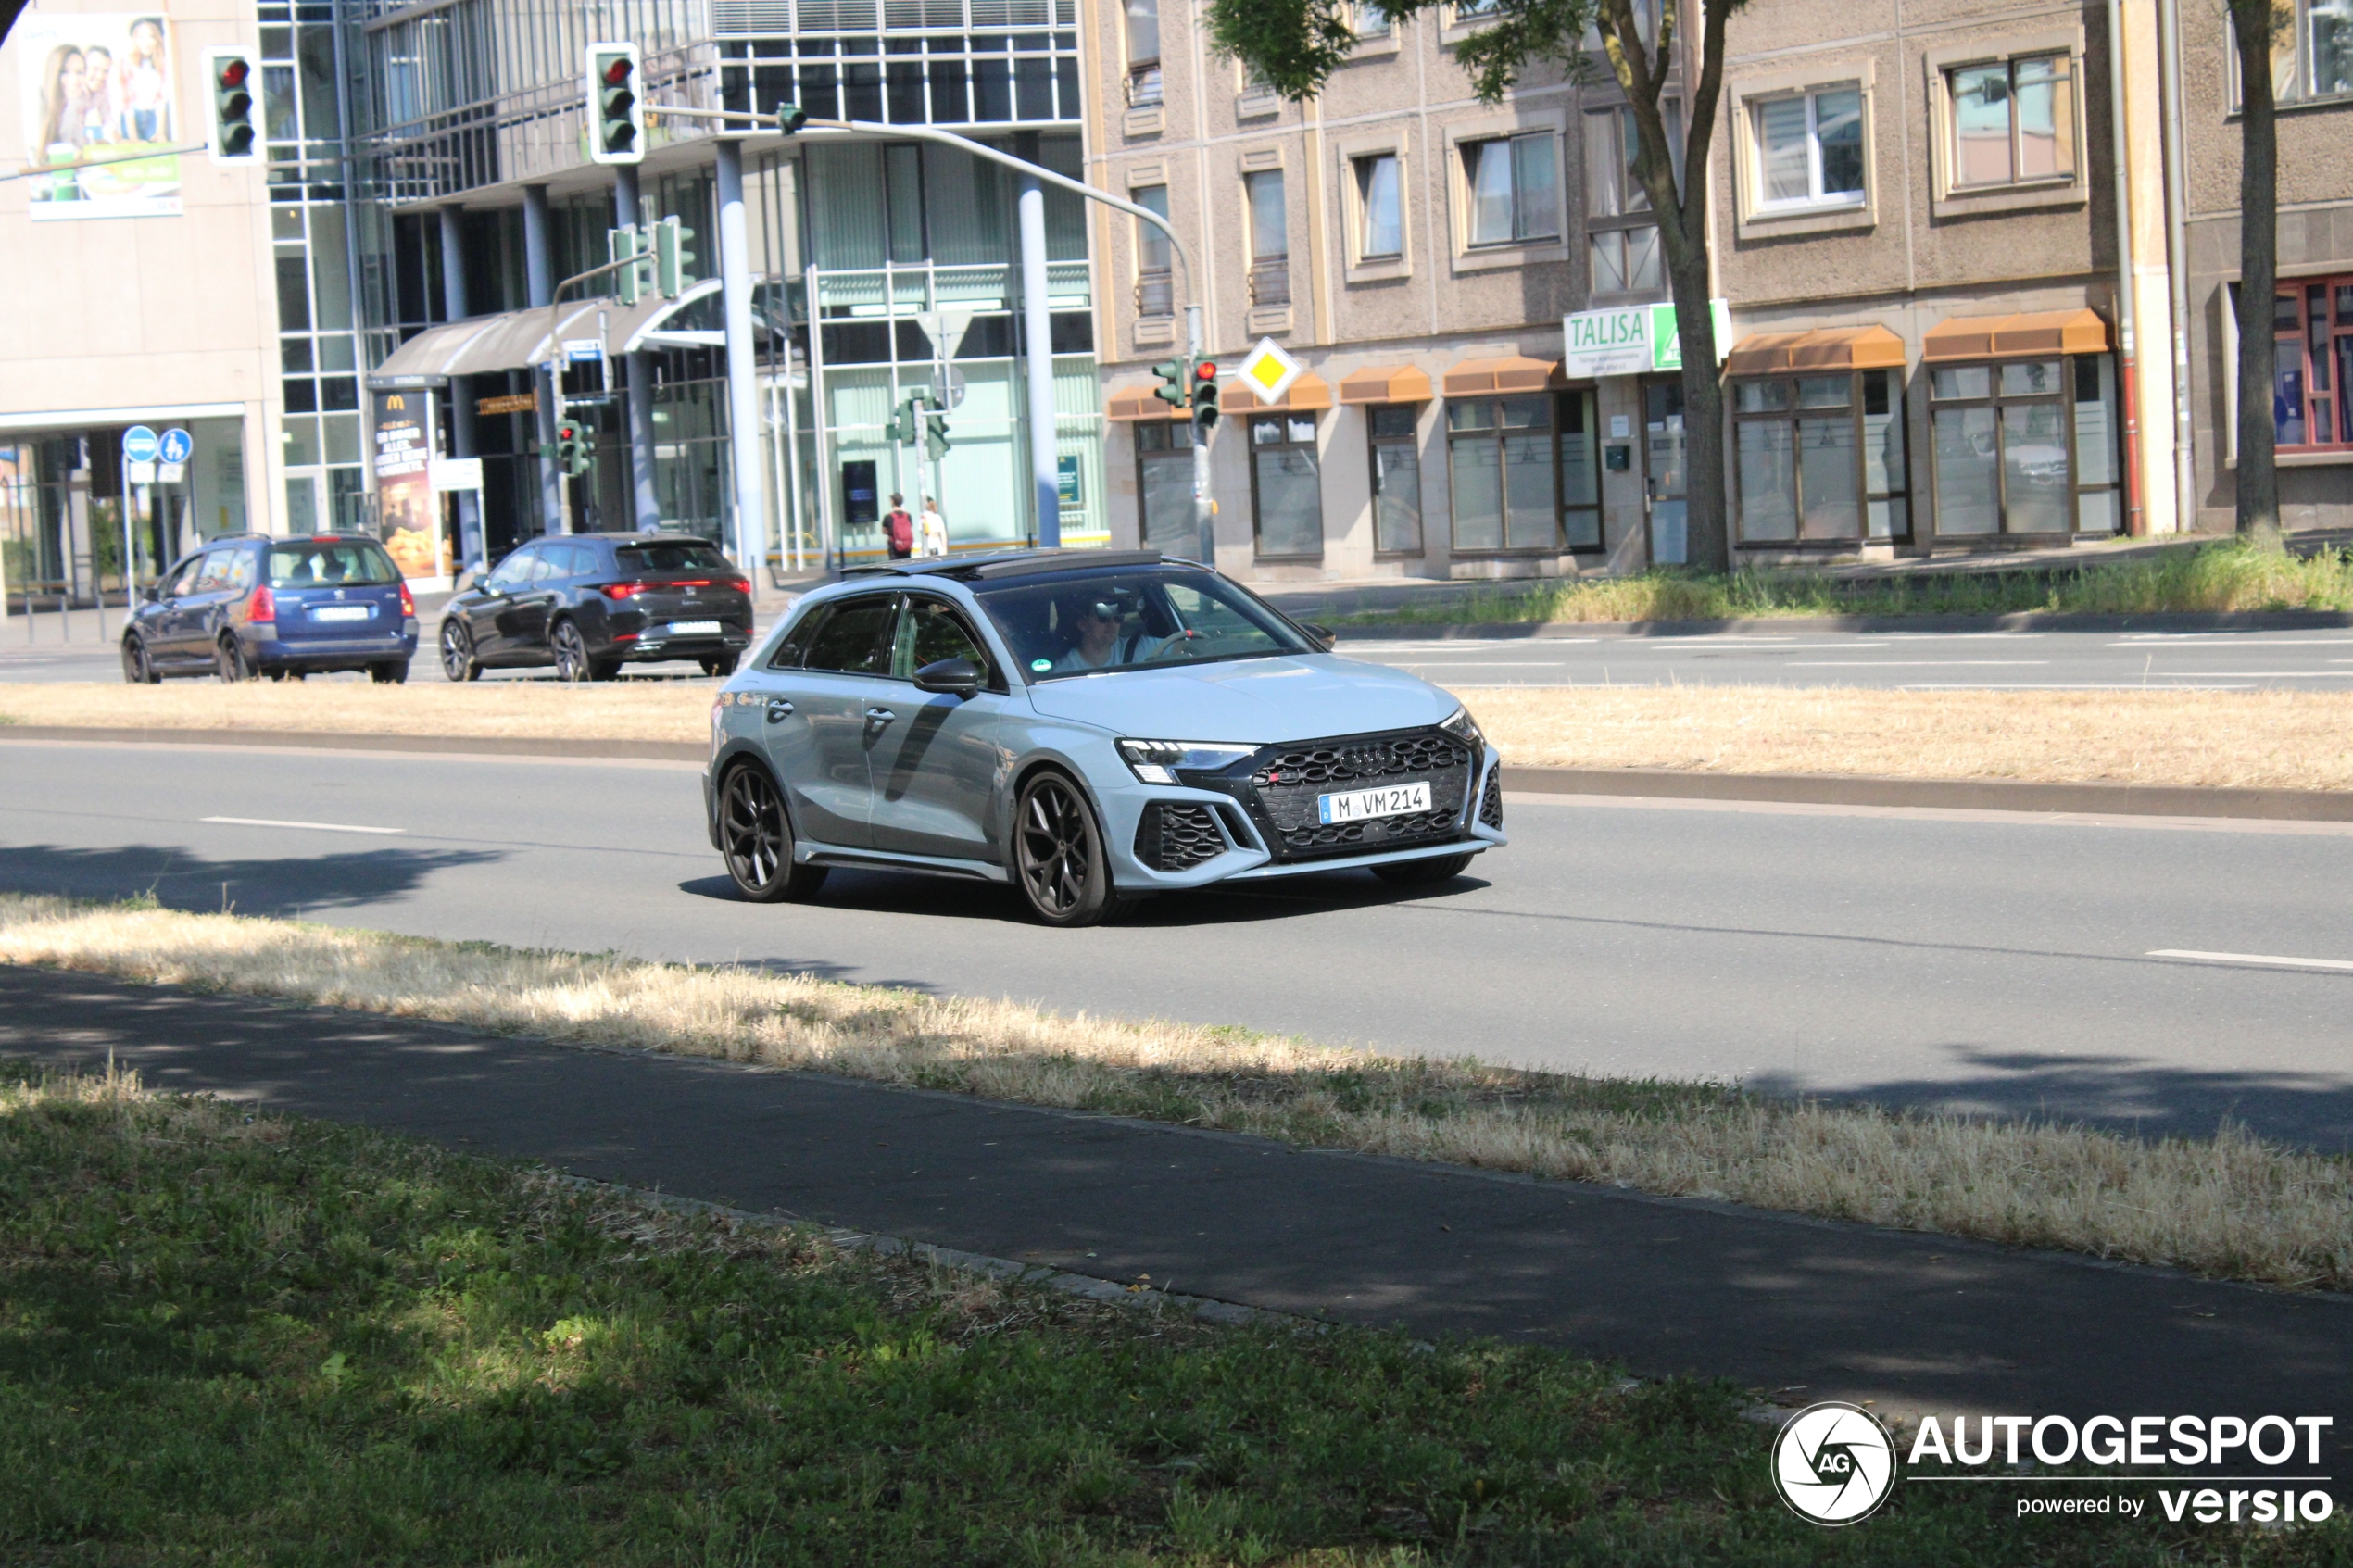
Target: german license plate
[[342, 612], [694, 628], [1360, 804]]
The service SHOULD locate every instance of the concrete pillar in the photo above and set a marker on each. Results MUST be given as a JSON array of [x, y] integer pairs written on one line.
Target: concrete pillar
[[637, 372], [744, 435], [539, 277], [461, 391], [1037, 351]]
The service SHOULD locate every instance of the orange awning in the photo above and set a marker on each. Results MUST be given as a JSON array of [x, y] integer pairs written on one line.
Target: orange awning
[[1307, 391], [1132, 403], [1833, 349], [1997, 337], [1386, 384], [1473, 377]]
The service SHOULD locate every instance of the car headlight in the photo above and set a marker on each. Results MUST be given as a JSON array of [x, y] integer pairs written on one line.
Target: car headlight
[[1156, 761], [1462, 726]]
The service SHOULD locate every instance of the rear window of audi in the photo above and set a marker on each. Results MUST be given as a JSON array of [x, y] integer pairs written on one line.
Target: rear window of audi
[[671, 558], [345, 564]]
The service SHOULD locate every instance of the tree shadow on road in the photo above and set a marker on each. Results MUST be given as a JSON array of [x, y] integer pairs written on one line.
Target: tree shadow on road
[[290, 887]]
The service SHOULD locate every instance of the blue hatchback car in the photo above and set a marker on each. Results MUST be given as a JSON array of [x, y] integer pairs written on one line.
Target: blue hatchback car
[[257, 604], [1088, 726]]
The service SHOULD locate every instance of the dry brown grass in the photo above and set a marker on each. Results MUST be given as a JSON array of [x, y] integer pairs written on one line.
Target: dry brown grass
[[2233, 1206], [2292, 740]]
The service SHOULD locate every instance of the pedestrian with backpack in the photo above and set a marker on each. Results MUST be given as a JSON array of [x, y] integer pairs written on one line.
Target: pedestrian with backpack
[[898, 530]]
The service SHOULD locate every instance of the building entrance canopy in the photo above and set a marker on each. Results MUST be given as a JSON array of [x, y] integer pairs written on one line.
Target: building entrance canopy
[[516, 340]]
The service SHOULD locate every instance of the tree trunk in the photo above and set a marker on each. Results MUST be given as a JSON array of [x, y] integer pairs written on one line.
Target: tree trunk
[[2259, 479], [1706, 501]]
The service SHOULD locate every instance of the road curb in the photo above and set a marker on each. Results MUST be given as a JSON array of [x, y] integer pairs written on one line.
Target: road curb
[[1804, 789], [2034, 620]]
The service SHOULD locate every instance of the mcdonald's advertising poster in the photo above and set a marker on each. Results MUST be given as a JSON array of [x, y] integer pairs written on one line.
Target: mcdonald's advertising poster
[[406, 508]]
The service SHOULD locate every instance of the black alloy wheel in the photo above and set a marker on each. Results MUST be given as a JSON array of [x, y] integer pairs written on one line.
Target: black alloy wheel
[[755, 837], [137, 668], [571, 653], [458, 660], [1058, 854], [1423, 873], [229, 661]]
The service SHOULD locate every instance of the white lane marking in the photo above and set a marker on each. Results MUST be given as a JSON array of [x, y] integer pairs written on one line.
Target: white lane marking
[[2228, 639], [315, 827], [2054, 686], [2272, 961], [1904, 663], [1939, 813], [1469, 664], [2253, 674]]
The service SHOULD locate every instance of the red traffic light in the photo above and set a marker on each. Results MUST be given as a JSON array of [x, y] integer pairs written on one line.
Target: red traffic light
[[617, 72], [1205, 370], [234, 73], [567, 432]]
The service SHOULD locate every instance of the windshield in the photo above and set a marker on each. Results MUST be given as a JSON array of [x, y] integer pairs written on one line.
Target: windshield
[[1084, 624], [340, 565]]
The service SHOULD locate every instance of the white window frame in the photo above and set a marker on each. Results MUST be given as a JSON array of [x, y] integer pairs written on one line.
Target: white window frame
[[1816, 196], [2298, 54], [1348, 152], [1756, 218]]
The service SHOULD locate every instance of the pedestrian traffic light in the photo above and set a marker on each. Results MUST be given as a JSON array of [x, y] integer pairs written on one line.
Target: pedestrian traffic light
[[616, 120], [790, 118], [1205, 398], [673, 258], [1175, 379], [935, 440], [575, 446], [232, 130]]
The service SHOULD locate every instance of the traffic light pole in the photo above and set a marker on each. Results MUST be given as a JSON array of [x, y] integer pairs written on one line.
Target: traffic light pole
[[1204, 508]]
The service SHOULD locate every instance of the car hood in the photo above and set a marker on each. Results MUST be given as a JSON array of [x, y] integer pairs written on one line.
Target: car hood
[[1254, 701]]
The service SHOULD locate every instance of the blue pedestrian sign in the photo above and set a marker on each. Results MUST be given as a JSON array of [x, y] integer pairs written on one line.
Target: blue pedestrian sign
[[177, 445], [139, 445]]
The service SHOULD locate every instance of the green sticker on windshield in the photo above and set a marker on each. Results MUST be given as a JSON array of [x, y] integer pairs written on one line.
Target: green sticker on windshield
[[1041, 665]]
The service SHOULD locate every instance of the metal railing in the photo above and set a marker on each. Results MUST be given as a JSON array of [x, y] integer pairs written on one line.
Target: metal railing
[[1270, 282]]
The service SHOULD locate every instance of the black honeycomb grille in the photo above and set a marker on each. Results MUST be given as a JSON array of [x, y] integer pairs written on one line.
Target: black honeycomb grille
[[1491, 801], [1375, 834], [1174, 837], [1284, 782]]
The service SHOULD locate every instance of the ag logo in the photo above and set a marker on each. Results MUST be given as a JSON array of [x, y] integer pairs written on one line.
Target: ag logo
[[1833, 1463]]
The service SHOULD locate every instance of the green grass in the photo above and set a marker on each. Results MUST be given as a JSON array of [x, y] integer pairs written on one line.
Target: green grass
[[2236, 574], [227, 1338]]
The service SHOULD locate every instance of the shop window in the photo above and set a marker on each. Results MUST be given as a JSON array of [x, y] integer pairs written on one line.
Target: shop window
[[1164, 479], [1621, 239], [1155, 284], [1512, 186], [1397, 478], [2025, 446], [1821, 459], [2313, 319], [1809, 149], [1286, 487], [1381, 224], [2011, 121], [1523, 472]]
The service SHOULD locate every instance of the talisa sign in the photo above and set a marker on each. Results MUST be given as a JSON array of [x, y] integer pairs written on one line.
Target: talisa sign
[[1633, 340]]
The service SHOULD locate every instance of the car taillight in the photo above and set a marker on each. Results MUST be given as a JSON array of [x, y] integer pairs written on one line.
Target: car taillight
[[740, 584], [263, 606], [408, 604], [622, 590]]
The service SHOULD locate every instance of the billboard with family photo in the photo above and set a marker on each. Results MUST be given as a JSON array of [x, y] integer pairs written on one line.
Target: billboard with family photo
[[97, 88]]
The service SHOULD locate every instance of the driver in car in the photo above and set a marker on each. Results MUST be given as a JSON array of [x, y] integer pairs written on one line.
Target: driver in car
[[1099, 646]]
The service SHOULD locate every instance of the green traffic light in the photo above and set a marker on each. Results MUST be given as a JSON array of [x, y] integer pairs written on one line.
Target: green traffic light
[[790, 118]]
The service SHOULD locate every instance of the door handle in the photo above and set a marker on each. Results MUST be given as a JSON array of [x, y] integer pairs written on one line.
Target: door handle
[[879, 716], [778, 709]]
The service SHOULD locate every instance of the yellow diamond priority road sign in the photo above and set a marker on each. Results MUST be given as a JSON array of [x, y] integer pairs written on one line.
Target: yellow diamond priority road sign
[[1269, 371]]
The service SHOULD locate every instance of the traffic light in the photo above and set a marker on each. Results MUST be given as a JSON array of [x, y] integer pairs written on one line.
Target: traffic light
[[617, 121], [1175, 378], [575, 446], [632, 281], [904, 424], [935, 429], [1204, 400], [673, 258], [233, 139], [790, 118]]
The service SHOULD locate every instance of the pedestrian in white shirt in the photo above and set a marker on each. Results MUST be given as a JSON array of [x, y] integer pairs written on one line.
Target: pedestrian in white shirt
[[934, 535]]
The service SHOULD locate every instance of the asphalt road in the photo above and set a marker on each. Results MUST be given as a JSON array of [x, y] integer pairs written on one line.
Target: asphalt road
[[1978, 961]]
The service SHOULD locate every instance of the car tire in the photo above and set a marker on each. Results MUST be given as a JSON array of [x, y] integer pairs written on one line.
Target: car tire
[[137, 668], [1060, 868], [458, 660], [571, 653], [720, 667], [229, 661], [393, 673], [1423, 873], [755, 839]]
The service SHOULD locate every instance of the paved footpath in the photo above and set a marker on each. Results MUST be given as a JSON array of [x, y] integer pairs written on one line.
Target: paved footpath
[[1797, 1309]]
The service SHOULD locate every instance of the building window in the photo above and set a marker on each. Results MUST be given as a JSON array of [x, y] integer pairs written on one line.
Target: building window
[[1155, 287], [1397, 478], [2011, 121], [1164, 480], [1512, 183], [1269, 239], [1286, 488], [1525, 473], [1621, 239], [2311, 59], [2314, 318], [1369, 20], [1380, 222], [1822, 457], [1143, 53], [2025, 446], [1809, 149]]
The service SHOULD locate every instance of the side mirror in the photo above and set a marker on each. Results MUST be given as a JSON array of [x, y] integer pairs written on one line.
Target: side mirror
[[1323, 634], [151, 594], [955, 677]]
